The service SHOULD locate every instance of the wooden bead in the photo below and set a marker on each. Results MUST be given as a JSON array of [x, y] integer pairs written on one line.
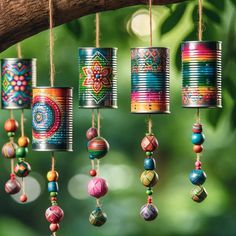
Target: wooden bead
[[53, 186], [197, 128], [22, 169], [12, 186], [93, 172], [198, 194], [197, 148], [54, 227], [149, 164], [149, 212], [149, 178], [11, 134], [97, 217], [91, 133], [23, 198], [149, 143], [54, 214], [97, 187], [23, 141], [98, 147], [52, 175], [11, 125], [21, 152], [197, 177], [9, 150], [198, 138]]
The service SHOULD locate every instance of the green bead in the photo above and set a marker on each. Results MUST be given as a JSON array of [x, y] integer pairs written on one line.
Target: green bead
[[53, 194], [10, 134], [54, 203], [149, 154], [21, 152], [149, 192], [21, 159]]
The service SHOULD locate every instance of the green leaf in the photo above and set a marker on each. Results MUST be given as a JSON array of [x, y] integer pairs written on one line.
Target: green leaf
[[74, 27], [173, 19], [234, 2], [233, 117], [230, 86], [220, 5], [213, 116], [212, 15]]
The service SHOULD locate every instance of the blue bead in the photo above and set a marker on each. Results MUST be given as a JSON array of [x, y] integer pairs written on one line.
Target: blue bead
[[198, 138], [197, 177], [149, 164], [52, 186]]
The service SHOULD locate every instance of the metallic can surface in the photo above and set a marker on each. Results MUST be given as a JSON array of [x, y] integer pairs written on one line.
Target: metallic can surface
[[18, 77], [201, 72], [52, 119], [97, 77], [150, 80]]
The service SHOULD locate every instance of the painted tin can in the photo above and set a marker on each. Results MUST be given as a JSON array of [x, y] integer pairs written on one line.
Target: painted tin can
[[97, 77], [150, 80], [201, 72], [18, 77], [52, 111]]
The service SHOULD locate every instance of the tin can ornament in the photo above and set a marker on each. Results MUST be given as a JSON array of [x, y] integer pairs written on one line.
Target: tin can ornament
[[201, 88], [18, 77], [150, 95]]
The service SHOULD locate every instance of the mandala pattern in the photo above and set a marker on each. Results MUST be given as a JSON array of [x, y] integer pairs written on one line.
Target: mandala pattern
[[17, 76]]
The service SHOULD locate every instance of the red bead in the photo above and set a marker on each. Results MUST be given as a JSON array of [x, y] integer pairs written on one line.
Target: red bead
[[149, 199], [53, 199], [54, 214], [198, 165], [197, 128], [23, 198], [93, 172], [197, 148], [11, 125], [149, 143], [91, 133], [54, 227]]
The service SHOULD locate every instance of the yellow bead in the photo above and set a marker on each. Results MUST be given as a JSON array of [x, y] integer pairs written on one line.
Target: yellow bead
[[23, 141], [52, 175], [149, 178]]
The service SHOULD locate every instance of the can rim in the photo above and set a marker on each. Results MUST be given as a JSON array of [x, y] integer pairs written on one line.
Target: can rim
[[150, 48], [204, 41], [16, 58], [98, 48], [50, 87]]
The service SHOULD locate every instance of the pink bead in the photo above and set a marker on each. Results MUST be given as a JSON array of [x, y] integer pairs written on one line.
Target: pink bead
[[54, 214], [97, 187], [54, 227], [23, 198], [91, 133], [198, 165]]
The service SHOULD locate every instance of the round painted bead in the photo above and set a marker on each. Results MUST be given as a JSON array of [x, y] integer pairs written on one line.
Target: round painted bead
[[91, 133], [149, 178], [53, 186], [149, 164], [54, 214], [22, 169], [197, 148], [197, 128], [21, 152], [11, 125], [93, 172], [149, 212], [197, 177], [9, 150], [97, 217], [23, 198], [52, 175], [149, 143], [97, 187], [23, 141], [198, 138], [11, 134], [54, 227], [198, 194], [12, 186], [98, 147]]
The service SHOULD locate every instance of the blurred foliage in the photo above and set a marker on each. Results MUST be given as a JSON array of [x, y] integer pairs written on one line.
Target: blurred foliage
[[179, 216]]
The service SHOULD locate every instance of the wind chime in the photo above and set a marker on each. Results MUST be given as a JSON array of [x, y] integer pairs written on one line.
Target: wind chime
[[149, 95], [97, 89], [201, 88], [52, 128], [18, 77]]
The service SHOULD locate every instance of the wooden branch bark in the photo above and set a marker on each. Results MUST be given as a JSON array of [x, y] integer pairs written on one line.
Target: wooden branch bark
[[21, 19]]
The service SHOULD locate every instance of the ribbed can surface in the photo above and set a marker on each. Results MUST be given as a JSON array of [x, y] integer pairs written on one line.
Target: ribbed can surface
[[18, 77], [150, 78], [52, 112], [97, 77], [201, 72]]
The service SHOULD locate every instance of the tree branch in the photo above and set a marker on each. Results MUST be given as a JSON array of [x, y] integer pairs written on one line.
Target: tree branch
[[21, 19]]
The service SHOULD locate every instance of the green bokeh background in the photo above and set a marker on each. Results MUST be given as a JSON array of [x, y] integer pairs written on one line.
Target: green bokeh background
[[178, 214]]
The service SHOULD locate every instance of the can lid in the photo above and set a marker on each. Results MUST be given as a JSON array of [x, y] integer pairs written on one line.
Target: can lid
[[49, 87], [23, 59]]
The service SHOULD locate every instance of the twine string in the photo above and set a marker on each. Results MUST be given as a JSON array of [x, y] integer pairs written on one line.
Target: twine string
[[19, 52], [200, 20], [22, 123], [97, 30], [51, 44], [150, 21], [53, 161], [99, 122], [93, 119], [149, 124]]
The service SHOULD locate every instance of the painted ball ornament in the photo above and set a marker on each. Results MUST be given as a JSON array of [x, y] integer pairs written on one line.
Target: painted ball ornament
[[149, 178], [197, 177], [22, 169], [198, 194], [52, 175], [11, 125], [12, 186], [97, 217], [91, 133], [9, 150], [23, 141], [98, 147], [97, 187], [54, 214], [149, 143], [149, 212]]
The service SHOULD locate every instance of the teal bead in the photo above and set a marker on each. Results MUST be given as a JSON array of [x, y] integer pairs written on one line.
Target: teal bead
[[11, 134], [198, 138], [91, 157], [52, 186], [197, 177], [21, 152], [149, 164]]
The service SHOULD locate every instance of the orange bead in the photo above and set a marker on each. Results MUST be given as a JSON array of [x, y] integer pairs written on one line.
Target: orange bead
[[197, 148], [52, 176], [11, 125], [23, 141]]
